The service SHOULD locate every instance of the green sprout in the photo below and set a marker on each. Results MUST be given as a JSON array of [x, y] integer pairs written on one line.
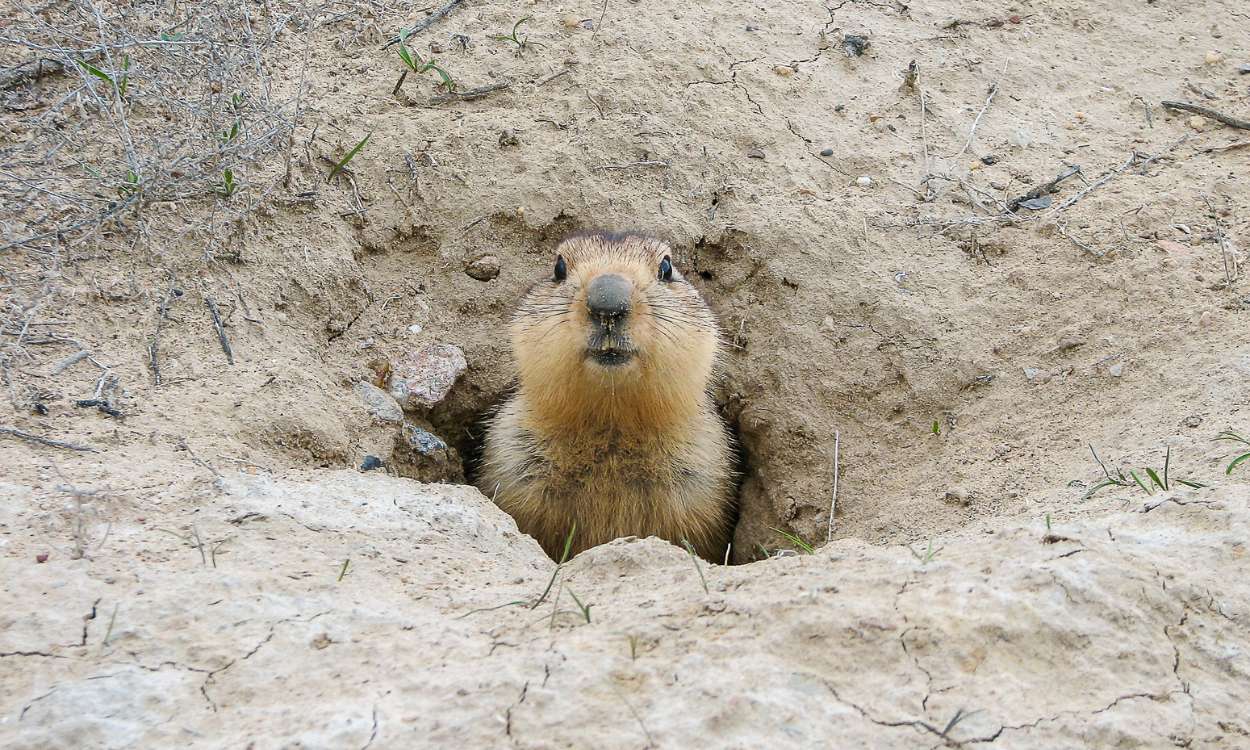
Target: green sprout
[[1163, 482], [1230, 435], [121, 83], [521, 43], [416, 64], [338, 167], [228, 185], [795, 540]]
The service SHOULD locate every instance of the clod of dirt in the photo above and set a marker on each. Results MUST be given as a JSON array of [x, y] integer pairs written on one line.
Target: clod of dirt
[[422, 379], [424, 456], [484, 268], [854, 45], [379, 403], [508, 137], [370, 463], [755, 153]]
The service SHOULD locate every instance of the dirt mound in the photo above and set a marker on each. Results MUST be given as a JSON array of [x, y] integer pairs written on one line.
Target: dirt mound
[[949, 242]]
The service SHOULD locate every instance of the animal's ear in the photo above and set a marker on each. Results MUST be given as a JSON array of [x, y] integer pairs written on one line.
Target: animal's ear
[[666, 269], [562, 269]]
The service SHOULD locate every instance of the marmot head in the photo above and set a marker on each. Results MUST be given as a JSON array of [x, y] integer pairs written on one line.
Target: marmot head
[[616, 331]]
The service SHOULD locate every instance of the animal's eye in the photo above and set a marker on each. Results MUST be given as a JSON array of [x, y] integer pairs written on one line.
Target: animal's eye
[[562, 269], [666, 269]]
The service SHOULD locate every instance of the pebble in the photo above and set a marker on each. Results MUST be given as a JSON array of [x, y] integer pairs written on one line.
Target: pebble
[[42, 557], [508, 137], [370, 463], [572, 22], [1116, 370], [989, 160], [379, 403], [1020, 138], [864, 181], [826, 152], [1193, 420], [755, 153], [785, 71], [1035, 375], [1197, 122], [415, 328], [1213, 58], [484, 268], [422, 379]]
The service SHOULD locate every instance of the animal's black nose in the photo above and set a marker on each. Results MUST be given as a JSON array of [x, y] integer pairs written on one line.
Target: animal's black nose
[[608, 296]]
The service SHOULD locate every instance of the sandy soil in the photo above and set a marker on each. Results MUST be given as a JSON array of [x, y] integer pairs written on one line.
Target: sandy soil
[[845, 215]]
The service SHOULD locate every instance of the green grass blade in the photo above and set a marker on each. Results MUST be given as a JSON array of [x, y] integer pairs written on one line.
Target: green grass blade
[[350, 155], [795, 541], [1140, 483], [1236, 461], [585, 608], [1099, 486], [1230, 435], [93, 70], [568, 545], [1155, 480], [1195, 485], [1167, 459], [695, 559]]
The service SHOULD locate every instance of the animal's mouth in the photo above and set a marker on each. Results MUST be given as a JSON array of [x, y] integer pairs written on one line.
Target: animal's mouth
[[610, 357], [609, 350]]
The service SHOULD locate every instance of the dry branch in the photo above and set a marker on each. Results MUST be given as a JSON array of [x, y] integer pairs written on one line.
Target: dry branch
[[22, 435], [1232, 122], [424, 23]]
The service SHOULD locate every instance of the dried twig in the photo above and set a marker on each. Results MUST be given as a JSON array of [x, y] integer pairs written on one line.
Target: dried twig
[[1045, 188], [45, 441], [833, 501], [162, 314], [1230, 270], [1232, 122], [424, 23], [977, 121], [469, 94], [634, 165], [1132, 161], [221, 329]]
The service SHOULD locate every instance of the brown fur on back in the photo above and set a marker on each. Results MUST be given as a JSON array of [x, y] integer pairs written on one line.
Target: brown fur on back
[[633, 451]]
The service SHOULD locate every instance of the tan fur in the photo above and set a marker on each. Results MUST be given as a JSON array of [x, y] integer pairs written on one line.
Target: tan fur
[[634, 450]]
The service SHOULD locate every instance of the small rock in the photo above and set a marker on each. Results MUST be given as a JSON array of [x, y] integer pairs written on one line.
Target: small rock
[[42, 557], [1197, 122], [785, 71], [572, 22], [1213, 58], [370, 463], [1035, 375], [755, 153], [415, 328], [424, 456], [1192, 421], [989, 159], [321, 641], [1014, 19], [508, 137], [484, 268], [1243, 69], [1116, 370], [1021, 138], [379, 403], [826, 152], [864, 181], [422, 379]]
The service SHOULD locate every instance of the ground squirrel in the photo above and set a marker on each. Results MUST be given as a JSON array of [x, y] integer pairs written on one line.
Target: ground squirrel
[[612, 427]]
